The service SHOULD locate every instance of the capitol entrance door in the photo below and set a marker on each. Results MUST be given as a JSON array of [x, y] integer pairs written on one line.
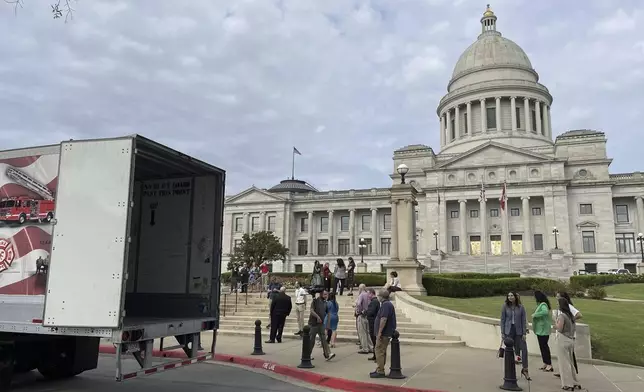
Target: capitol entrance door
[[517, 244], [475, 245], [495, 245]]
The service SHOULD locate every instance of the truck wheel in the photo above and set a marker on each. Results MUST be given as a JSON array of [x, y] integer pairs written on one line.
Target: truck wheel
[[58, 361], [22, 219], [6, 374]]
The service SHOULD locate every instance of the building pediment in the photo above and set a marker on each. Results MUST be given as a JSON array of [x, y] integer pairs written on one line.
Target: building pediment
[[493, 154], [587, 225], [254, 195]]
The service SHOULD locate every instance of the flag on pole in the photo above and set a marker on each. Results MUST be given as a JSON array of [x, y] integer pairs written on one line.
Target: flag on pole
[[296, 151], [504, 196]]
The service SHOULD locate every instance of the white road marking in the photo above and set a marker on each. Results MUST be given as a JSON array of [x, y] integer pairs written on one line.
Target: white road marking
[[608, 379], [429, 363]]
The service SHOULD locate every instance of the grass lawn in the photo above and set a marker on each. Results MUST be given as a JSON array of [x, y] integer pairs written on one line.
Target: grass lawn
[[626, 291], [616, 328]]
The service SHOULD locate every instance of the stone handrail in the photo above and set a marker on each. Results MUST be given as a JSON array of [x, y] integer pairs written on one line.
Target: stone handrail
[[478, 331]]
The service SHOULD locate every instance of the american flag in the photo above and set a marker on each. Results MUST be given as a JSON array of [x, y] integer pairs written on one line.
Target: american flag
[[296, 151], [504, 196], [21, 246]]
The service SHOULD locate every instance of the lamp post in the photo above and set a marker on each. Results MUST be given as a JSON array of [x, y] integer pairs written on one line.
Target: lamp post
[[362, 247], [436, 239], [555, 231], [402, 170], [640, 238]]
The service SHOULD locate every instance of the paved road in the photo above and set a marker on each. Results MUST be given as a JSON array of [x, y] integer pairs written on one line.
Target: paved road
[[195, 378]]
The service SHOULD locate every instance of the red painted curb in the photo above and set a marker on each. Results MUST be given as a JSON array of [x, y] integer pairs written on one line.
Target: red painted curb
[[341, 384]]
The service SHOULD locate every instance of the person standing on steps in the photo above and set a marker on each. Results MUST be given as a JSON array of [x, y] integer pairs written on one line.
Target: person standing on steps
[[300, 307], [280, 309], [384, 325], [273, 290], [541, 326], [264, 270], [316, 276], [514, 325], [372, 312], [316, 323], [340, 276], [362, 303], [351, 270], [326, 274]]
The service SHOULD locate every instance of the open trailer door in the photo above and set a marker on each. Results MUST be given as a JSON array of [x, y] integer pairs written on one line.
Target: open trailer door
[[85, 278]]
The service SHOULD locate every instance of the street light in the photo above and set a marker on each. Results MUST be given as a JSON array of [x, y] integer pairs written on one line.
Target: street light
[[555, 231], [362, 246], [436, 239], [402, 170], [640, 238]]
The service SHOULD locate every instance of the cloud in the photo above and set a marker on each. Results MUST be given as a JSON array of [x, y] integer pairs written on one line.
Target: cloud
[[346, 81]]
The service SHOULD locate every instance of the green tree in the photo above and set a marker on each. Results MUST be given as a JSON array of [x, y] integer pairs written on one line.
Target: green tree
[[257, 248]]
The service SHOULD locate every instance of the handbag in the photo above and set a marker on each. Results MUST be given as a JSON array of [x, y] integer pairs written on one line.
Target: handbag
[[501, 352]]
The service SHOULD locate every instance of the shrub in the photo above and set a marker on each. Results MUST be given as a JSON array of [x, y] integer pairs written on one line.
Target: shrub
[[550, 286], [587, 281], [475, 275], [289, 278], [597, 292], [470, 288]]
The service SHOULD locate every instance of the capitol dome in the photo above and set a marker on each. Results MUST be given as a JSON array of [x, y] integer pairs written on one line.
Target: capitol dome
[[491, 50]]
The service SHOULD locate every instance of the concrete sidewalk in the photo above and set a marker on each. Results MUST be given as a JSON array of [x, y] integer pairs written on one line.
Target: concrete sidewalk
[[445, 369]]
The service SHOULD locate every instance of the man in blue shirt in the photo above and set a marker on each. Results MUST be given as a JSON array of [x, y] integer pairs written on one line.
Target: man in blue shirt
[[384, 326]]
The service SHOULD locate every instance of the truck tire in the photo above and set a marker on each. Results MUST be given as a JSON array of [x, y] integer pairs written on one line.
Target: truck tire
[[58, 360], [6, 374], [22, 219]]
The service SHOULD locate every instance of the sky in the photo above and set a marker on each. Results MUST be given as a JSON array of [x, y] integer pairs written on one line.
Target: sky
[[239, 83]]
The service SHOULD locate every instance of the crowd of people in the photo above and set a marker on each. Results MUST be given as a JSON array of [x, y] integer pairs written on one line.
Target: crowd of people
[[514, 325]]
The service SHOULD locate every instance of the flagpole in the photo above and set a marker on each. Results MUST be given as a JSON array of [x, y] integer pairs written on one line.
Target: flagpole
[[293, 166]]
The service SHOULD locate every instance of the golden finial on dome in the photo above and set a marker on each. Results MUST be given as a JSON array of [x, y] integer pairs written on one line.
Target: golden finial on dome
[[488, 11]]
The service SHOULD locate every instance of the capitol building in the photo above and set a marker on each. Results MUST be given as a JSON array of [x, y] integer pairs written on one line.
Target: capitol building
[[565, 211]]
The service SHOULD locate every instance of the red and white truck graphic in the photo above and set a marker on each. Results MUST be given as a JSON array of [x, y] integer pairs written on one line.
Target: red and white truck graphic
[[20, 209]]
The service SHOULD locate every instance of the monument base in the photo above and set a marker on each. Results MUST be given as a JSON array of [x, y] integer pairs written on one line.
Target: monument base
[[410, 274]]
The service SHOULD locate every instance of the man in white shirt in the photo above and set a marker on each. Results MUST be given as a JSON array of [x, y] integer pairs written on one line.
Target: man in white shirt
[[300, 307]]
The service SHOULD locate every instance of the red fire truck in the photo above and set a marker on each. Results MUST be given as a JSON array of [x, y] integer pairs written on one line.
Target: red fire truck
[[26, 208]]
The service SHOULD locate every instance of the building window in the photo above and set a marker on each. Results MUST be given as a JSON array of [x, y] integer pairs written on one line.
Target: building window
[[324, 224], [385, 246], [453, 214], [302, 247], [304, 225], [237, 244], [272, 223], [343, 247], [298, 268], [494, 212], [366, 222], [538, 242], [591, 268], [518, 115], [474, 213], [344, 223], [621, 213], [255, 223], [625, 242], [515, 212], [631, 267], [239, 225], [453, 125], [534, 121], [536, 211], [386, 222], [465, 129], [368, 249], [323, 247], [585, 209], [588, 241], [491, 117], [455, 244]]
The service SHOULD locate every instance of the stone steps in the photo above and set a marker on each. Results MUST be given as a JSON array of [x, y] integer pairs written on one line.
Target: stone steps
[[250, 319]]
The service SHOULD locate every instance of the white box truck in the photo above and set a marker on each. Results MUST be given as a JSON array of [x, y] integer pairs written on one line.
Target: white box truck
[[115, 239]]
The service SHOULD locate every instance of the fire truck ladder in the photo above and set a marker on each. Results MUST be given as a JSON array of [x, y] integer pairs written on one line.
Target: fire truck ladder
[[29, 183]]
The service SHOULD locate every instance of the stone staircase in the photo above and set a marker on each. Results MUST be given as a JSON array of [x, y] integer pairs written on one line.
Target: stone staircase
[[527, 265], [241, 322]]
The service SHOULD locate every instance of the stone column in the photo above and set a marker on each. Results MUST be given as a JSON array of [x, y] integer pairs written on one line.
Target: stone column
[[483, 116], [549, 123], [352, 231], [403, 241], [639, 203], [442, 120], [310, 233], [331, 233], [448, 119], [457, 122], [374, 232], [498, 114], [468, 111], [526, 114], [537, 112], [513, 114], [545, 122], [246, 223], [262, 221], [483, 219], [393, 250], [462, 214], [442, 221], [527, 230]]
